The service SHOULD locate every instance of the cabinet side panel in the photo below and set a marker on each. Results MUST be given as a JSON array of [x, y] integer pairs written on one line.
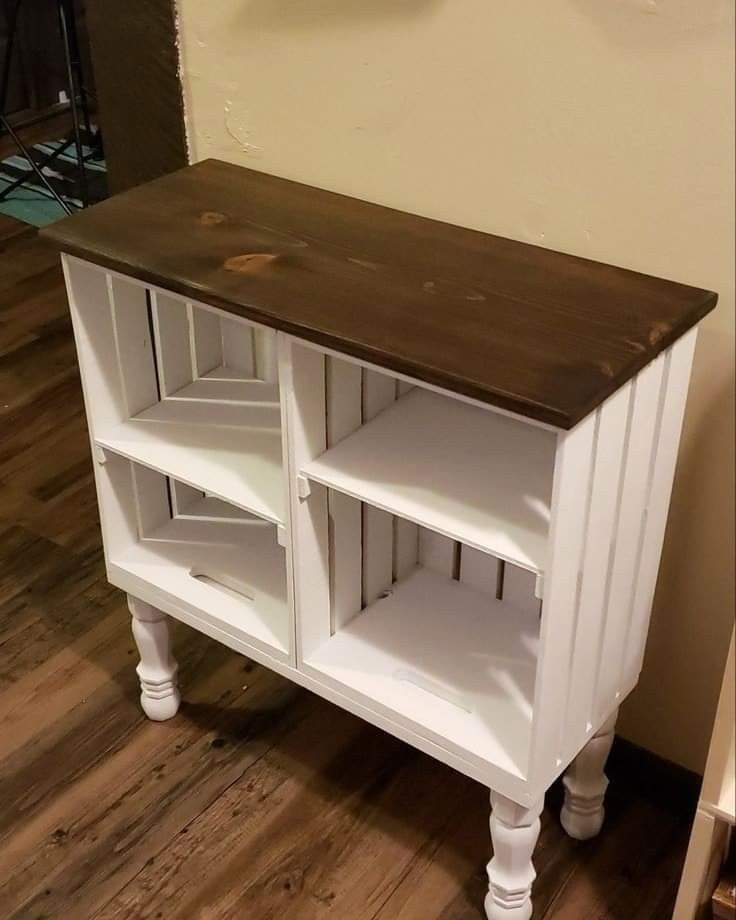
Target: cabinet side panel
[[302, 382], [379, 391], [343, 397], [680, 359], [597, 563], [639, 458], [570, 501]]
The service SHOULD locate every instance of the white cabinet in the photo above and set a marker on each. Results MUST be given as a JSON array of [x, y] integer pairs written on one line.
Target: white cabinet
[[311, 457]]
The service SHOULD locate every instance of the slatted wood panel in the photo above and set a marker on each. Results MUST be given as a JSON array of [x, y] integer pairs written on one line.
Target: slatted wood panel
[[602, 519], [677, 378], [647, 394], [570, 504], [379, 391], [343, 408]]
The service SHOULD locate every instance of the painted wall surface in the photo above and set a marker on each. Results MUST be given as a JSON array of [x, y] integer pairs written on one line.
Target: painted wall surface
[[599, 127]]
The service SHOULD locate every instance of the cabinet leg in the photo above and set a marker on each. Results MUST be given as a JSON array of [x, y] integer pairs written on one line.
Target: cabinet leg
[[514, 833], [157, 669], [585, 785]]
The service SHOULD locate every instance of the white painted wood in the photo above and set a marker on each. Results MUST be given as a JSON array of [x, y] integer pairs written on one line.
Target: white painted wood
[[514, 833], [231, 572], [436, 552], [343, 391], [379, 392], [266, 358], [206, 340], [133, 345], [480, 571], [239, 392], [237, 463], [237, 347], [586, 784], [469, 474], [152, 499], [518, 589], [647, 393], [91, 312], [160, 697], [171, 341], [597, 563], [406, 547], [456, 665], [213, 509], [184, 497], [302, 379], [680, 358], [378, 534], [570, 501]]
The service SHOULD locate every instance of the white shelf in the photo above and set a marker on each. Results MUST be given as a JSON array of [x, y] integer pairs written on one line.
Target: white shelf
[[473, 475], [456, 665], [231, 572], [229, 449]]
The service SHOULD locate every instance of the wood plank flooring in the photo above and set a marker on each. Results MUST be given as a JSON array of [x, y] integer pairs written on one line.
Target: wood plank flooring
[[258, 800]]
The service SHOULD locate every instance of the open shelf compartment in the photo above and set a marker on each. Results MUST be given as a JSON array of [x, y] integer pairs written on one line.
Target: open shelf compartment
[[421, 530], [181, 388], [448, 648], [469, 473], [183, 550]]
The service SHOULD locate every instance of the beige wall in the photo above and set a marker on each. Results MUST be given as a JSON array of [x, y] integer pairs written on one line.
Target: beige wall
[[599, 127]]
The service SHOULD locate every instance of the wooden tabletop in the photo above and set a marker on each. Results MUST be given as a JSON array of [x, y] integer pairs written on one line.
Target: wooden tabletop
[[540, 333]]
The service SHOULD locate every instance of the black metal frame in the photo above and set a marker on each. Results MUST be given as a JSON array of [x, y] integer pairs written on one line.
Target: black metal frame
[[77, 103]]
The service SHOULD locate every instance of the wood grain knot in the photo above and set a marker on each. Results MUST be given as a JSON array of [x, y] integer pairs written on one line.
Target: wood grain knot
[[658, 331], [250, 263], [211, 218]]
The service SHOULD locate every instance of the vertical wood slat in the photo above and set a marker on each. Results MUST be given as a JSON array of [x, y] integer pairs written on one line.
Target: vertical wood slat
[[264, 348], [479, 570], [597, 563], [570, 496], [237, 347], [206, 340], [436, 552], [151, 499], [343, 406], [379, 391], [406, 547], [302, 378], [133, 345], [638, 465], [677, 378], [172, 342], [88, 289]]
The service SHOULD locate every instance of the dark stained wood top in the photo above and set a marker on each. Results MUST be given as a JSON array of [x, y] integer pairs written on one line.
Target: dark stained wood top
[[536, 332]]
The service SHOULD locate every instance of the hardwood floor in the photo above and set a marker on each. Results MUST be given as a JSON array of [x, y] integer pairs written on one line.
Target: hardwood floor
[[258, 800]]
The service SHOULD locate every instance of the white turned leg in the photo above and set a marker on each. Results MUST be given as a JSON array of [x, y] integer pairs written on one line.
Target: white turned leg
[[585, 785], [157, 669], [514, 832]]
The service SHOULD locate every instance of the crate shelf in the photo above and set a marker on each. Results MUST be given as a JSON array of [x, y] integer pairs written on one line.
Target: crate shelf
[[222, 564], [232, 450], [456, 664], [467, 473]]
